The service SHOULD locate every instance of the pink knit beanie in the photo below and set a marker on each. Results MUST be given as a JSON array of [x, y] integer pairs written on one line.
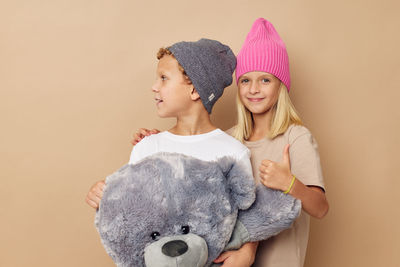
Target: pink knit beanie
[[264, 50]]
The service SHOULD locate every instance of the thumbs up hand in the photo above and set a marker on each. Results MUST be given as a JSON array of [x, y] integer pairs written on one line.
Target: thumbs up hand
[[277, 175]]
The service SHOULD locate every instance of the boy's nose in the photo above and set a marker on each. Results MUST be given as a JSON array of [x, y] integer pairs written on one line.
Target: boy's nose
[[154, 88]]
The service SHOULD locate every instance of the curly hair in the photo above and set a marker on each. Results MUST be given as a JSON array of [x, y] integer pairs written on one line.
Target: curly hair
[[164, 51]]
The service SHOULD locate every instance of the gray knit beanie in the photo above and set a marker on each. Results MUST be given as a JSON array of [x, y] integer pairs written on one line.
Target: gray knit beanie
[[209, 64]]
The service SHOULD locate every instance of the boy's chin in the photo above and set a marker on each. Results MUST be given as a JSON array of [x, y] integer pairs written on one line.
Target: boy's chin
[[164, 114]]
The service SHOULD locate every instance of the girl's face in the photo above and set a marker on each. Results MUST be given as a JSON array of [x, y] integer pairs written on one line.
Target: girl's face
[[258, 91], [172, 91]]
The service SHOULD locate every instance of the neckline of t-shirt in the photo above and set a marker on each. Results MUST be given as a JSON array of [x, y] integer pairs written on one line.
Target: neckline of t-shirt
[[266, 138], [257, 142], [194, 137]]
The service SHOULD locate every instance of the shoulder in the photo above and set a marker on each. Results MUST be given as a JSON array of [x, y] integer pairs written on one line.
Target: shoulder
[[301, 140], [147, 141], [232, 141], [230, 130], [233, 144], [298, 132], [146, 147]]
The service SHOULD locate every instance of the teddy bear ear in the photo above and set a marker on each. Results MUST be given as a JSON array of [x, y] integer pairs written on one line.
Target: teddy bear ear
[[240, 182]]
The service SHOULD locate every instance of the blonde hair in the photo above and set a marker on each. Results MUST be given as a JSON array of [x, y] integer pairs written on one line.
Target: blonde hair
[[284, 115]]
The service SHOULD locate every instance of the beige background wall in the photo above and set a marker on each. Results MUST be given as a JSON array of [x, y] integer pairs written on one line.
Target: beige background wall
[[75, 81]]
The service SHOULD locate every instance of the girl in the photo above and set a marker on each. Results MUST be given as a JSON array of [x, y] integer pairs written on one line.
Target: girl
[[268, 125]]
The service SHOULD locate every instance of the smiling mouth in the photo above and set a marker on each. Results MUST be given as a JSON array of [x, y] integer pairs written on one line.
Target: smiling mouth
[[158, 101], [255, 99]]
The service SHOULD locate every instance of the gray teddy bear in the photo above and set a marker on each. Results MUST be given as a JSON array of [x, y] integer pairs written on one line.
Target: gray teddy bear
[[175, 210]]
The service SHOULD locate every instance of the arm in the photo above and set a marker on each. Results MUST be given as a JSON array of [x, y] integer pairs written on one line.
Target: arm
[[278, 175], [243, 257], [312, 197]]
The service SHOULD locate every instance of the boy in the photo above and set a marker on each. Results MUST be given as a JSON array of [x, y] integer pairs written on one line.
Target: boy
[[191, 76]]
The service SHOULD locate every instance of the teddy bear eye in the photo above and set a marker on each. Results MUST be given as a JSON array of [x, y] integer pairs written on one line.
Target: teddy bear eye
[[185, 229], [155, 235]]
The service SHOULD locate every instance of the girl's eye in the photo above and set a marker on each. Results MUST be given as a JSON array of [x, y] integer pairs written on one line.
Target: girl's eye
[[265, 80], [163, 77], [185, 229], [155, 235], [244, 81]]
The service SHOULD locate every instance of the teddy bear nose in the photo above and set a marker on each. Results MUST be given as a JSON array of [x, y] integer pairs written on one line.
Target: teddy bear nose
[[174, 248]]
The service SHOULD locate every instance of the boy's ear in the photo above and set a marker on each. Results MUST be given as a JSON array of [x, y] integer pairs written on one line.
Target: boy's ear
[[194, 94]]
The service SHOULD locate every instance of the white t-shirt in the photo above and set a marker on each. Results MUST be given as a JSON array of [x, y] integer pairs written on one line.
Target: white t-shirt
[[208, 147]]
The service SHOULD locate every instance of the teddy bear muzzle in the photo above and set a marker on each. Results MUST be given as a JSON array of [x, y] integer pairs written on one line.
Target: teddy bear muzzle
[[188, 250]]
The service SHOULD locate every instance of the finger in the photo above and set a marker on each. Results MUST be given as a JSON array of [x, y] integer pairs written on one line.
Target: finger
[[99, 185], [222, 257], [264, 176], [154, 131], [144, 131], [286, 157], [261, 176], [138, 135], [136, 138], [97, 200], [91, 203], [264, 182], [266, 170], [102, 184], [266, 162], [267, 167], [98, 193], [94, 197], [262, 168]]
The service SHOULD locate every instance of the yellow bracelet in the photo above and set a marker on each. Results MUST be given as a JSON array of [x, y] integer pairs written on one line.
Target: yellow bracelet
[[291, 185]]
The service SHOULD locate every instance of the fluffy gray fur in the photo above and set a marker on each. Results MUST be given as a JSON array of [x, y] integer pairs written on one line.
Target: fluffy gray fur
[[166, 191], [271, 213]]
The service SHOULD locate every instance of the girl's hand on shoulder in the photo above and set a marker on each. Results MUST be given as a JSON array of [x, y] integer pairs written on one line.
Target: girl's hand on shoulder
[[276, 175], [141, 133], [243, 257], [95, 194]]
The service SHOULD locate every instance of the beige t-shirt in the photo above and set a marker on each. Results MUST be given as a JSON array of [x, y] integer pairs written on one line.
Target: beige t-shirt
[[288, 249]]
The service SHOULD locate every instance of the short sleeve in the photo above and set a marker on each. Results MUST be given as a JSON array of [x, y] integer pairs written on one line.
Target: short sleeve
[[304, 158]]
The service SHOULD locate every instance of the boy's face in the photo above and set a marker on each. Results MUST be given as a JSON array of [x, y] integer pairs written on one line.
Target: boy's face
[[172, 91]]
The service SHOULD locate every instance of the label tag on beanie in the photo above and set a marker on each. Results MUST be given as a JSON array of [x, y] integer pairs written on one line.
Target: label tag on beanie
[[211, 97]]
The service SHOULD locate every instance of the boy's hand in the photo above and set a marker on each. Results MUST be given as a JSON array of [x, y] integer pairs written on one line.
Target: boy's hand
[[95, 194], [243, 257], [276, 175], [141, 133]]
